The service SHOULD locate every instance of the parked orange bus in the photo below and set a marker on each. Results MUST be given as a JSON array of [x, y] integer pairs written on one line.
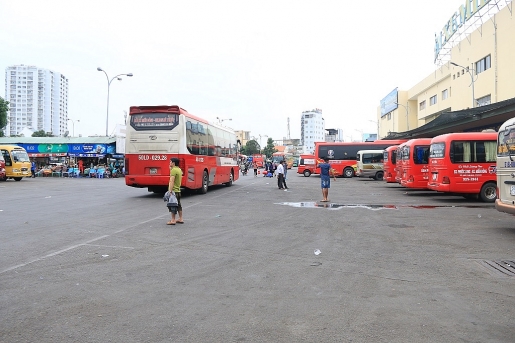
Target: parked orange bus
[[342, 156], [207, 152], [389, 161], [464, 163], [259, 160], [307, 165], [415, 166]]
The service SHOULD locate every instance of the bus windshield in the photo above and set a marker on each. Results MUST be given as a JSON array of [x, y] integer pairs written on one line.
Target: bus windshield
[[437, 150], [154, 121], [506, 143], [421, 155], [20, 156]]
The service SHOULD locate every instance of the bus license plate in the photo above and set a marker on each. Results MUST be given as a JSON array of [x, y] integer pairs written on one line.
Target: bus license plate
[[153, 170], [512, 190]]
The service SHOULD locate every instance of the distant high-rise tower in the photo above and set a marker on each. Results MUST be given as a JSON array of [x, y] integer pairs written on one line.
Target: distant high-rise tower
[[312, 129], [38, 100]]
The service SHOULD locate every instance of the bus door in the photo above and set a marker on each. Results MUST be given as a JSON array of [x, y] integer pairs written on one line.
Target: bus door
[[389, 161]]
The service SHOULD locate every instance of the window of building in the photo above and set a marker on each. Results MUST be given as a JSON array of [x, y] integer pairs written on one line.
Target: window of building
[[483, 64], [486, 100], [389, 117], [422, 105], [445, 94], [432, 100]]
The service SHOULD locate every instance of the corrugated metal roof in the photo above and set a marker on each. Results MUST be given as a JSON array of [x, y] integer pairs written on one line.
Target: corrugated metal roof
[[57, 140]]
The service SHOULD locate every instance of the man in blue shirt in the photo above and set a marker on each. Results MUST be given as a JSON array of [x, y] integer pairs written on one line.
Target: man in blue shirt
[[325, 177], [33, 168]]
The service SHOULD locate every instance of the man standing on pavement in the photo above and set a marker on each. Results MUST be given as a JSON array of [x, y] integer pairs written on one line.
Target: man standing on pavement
[[325, 178], [175, 186], [281, 184], [33, 168]]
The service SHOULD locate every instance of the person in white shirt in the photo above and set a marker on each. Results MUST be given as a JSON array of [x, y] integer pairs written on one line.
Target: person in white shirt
[[281, 183]]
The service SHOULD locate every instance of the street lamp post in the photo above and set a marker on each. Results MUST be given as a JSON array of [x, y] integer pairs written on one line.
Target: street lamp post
[[221, 121], [73, 125], [260, 143], [407, 114], [361, 132], [108, 86], [471, 78], [377, 123]]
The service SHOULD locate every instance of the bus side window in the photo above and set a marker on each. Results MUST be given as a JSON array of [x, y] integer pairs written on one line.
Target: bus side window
[[7, 158]]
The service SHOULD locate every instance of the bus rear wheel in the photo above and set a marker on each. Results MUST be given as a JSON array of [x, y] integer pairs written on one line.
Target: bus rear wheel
[[307, 173], [231, 178], [379, 176], [348, 172], [488, 192], [203, 189]]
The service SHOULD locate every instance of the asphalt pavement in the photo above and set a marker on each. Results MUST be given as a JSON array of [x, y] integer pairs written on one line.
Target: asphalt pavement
[[92, 260]]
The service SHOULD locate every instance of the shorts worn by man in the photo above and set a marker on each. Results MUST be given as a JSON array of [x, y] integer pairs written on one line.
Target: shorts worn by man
[[175, 186], [325, 178]]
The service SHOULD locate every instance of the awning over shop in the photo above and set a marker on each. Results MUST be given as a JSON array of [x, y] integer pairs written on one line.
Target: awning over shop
[[46, 155]]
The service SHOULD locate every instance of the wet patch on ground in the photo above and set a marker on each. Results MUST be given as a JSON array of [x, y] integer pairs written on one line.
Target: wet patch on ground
[[335, 206]]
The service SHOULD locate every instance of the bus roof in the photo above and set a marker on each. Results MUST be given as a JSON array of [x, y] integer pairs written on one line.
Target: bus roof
[[465, 135], [379, 142], [379, 151], [390, 148], [418, 141], [172, 109]]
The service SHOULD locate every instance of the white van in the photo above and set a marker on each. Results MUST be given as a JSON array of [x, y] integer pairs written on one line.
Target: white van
[[370, 164]]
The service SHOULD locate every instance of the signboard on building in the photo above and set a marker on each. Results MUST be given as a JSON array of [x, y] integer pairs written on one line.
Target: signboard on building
[[77, 150], [389, 103]]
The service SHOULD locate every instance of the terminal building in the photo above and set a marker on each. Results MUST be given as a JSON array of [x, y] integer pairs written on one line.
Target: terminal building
[[473, 87]]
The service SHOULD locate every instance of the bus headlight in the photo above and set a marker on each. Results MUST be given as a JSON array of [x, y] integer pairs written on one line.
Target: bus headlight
[[15, 170]]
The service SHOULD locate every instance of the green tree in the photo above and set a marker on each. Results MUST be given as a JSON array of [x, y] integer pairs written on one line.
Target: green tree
[[42, 133], [270, 148], [252, 147], [4, 108]]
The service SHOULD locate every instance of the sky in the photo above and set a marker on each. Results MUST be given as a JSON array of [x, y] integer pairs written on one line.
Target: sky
[[257, 63]]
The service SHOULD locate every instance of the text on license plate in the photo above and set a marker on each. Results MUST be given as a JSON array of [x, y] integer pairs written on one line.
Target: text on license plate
[[153, 170], [512, 190]]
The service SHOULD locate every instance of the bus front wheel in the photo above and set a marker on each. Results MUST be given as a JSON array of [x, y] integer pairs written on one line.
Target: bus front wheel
[[348, 172], [379, 176], [307, 173], [17, 178], [205, 180], [488, 192]]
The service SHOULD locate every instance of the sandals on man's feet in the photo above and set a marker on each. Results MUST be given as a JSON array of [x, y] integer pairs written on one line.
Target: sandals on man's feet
[[170, 223]]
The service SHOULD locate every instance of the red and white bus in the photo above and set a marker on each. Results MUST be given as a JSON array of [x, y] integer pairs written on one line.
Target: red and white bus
[[342, 156], [415, 163], [464, 163], [207, 152], [259, 160], [307, 165], [389, 161]]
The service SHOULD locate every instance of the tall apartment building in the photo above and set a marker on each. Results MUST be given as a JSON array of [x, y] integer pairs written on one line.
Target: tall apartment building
[[38, 100], [312, 129]]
